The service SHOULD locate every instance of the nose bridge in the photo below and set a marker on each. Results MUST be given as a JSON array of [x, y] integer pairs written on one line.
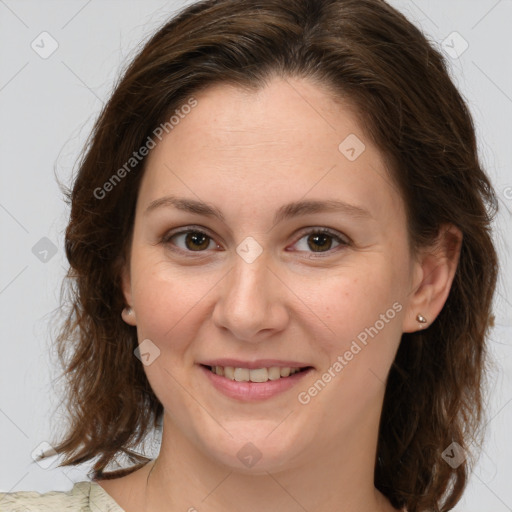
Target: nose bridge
[[249, 301], [247, 281]]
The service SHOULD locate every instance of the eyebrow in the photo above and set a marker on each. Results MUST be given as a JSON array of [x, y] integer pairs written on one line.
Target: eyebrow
[[286, 211]]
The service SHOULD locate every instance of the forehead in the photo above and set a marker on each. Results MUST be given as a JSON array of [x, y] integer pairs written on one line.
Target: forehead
[[289, 137]]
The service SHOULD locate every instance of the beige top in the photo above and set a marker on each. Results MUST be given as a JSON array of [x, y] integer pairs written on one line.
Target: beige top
[[83, 497]]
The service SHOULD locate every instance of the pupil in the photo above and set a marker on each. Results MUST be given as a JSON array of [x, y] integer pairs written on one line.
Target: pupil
[[320, 242], [196, 240]]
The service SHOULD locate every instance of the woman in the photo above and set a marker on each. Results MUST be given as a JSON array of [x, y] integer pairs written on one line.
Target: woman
[[279, 251]]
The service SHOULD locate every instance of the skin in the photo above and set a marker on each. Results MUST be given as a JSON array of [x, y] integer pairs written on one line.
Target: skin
[[248, 154]]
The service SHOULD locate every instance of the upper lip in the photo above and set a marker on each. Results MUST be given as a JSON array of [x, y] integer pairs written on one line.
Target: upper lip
[[259, 363]]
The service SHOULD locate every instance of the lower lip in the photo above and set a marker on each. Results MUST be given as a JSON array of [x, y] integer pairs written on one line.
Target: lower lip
[[253, 391]]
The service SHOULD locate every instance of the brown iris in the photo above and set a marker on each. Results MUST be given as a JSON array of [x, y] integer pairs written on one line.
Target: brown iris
[[196, 241], [320, 241]]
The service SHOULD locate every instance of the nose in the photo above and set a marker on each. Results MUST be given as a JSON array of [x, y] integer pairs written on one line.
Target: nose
[[251, 301]]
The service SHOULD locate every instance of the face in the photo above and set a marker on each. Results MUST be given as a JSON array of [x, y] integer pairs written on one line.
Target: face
[[267, 241]]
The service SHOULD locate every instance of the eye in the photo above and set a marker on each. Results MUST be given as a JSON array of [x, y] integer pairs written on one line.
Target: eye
[[320, 240], [190, 240]]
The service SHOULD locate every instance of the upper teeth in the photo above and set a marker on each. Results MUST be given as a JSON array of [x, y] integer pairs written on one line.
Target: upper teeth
[[254, 375]]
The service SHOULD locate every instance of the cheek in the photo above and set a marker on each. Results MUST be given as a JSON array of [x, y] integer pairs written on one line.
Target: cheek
[[346, 302], [360, 309], [166, 301]]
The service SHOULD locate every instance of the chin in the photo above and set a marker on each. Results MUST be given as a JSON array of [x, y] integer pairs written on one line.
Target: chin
[[256, 453]]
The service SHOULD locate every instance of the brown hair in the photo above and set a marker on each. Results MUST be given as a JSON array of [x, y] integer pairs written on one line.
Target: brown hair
[[364, 51]]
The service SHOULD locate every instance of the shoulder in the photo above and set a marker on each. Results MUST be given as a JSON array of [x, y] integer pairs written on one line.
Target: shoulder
[[83, 497]]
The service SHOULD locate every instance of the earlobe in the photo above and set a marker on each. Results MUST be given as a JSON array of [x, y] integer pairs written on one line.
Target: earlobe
[[128, 314], [422, 321], [435, 268]]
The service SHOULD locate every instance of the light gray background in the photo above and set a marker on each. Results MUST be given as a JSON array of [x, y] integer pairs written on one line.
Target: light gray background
[[47, 107]]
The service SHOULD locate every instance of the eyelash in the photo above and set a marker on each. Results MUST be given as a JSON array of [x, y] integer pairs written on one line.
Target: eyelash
[[166, 240]]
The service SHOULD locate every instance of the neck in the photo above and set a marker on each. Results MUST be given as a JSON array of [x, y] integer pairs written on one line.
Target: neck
[[332, 478]]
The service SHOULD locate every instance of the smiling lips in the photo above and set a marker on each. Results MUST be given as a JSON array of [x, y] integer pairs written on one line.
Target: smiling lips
[[260, 371], [255, 381]]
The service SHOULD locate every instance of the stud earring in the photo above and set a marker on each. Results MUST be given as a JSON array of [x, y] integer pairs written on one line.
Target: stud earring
[[421, 319], [127, 310]]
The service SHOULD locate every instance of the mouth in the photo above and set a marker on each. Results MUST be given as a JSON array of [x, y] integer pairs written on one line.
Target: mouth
[[255, 375], [254, 381]]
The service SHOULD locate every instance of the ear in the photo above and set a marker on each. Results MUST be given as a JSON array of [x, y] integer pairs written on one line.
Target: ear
[[433, 275], [128, 313]]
